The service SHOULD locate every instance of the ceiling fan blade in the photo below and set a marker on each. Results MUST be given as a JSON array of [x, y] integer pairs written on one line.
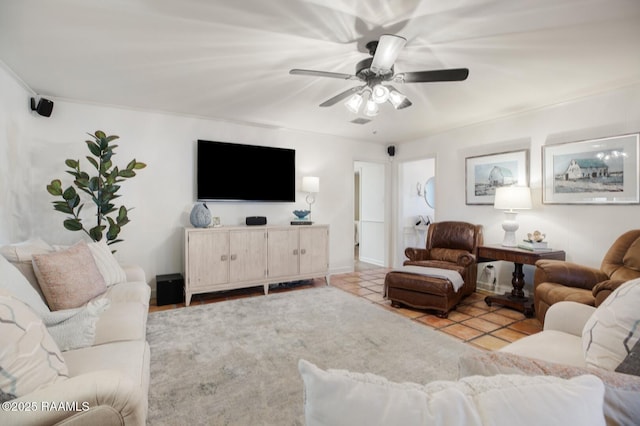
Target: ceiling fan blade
[[314, 73], [340, 96], [453, 74], [387, 52]]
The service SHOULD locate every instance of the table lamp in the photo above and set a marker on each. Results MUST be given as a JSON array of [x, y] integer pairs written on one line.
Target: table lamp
[[510, 198]]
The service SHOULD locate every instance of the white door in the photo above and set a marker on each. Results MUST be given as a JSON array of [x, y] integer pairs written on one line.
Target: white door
[[371, 229]]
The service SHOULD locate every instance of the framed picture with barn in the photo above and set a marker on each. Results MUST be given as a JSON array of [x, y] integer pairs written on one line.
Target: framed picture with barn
[[485, 173], [596, 171]]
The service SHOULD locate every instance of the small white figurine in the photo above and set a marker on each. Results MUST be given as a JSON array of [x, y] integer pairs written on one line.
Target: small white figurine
[[537, 236]]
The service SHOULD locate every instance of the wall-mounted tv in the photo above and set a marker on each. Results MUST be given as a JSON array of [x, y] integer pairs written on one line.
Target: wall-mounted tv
[[236, 172]]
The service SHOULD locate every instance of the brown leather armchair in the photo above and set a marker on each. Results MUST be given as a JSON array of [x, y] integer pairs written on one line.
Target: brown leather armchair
[[450, 245], [556, 280]]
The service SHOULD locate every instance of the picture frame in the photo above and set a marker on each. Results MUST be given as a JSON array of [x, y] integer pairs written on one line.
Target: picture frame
[[593, 171], [485, 173]]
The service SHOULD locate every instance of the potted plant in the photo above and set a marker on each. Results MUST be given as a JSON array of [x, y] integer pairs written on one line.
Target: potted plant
[[102, 188]]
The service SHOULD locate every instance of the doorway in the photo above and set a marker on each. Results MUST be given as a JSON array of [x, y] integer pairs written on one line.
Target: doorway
[[370, 246], [417, 202]]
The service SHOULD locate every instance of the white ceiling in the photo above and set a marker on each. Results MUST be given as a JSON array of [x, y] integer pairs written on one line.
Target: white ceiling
[[229, 59]]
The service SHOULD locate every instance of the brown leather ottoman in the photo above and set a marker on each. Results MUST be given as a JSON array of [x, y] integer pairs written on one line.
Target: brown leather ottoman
[[422, 292]]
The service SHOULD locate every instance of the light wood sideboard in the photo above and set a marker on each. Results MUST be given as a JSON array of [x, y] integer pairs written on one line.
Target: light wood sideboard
[[228, 258]]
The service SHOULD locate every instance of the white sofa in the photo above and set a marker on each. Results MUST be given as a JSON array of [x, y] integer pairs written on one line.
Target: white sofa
[[559, 351], [104, 374]]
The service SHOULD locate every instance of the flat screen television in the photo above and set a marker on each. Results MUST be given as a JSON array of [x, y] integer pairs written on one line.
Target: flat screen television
[[236, 172]]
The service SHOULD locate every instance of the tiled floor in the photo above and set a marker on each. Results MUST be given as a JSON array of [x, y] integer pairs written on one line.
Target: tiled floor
[[472, 321]]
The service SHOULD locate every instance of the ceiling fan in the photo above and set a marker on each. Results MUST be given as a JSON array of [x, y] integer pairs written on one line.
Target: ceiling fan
[[377, 72]]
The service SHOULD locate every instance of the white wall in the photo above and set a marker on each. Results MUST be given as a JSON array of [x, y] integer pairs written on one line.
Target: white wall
[[413, 205], [585, 232], [34, 149], [14, 158]]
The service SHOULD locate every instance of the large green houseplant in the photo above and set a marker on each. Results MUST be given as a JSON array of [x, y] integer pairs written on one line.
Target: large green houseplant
[[101, 188]]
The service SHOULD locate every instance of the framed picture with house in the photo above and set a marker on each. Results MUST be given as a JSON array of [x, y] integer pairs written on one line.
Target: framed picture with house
[[485, 173], [595, 171]]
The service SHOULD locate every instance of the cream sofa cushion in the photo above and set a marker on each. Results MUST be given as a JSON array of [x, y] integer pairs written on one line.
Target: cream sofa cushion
[[338, 397], [121, 321], [567, 348], [132, 291]]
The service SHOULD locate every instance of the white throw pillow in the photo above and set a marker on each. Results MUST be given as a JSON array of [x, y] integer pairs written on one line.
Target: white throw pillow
[[12, 280], [21, 254], [24, 251], [338, 397], [107, 264], [29, 358], [69, 278], [614, 328]]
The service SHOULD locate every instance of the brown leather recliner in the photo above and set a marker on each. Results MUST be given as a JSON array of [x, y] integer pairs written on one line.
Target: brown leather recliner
[[450, 245], [556, 280]]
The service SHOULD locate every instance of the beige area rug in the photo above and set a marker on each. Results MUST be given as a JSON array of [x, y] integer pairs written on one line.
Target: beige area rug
[[235, 362]]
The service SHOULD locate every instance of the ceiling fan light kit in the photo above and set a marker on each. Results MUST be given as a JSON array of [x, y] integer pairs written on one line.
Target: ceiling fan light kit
[[378, 69], [396, 99], [379, 94], [354, 103], [371, 108]]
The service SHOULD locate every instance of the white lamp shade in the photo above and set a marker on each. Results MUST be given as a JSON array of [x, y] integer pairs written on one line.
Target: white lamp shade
[[311, 184], [512, 198]]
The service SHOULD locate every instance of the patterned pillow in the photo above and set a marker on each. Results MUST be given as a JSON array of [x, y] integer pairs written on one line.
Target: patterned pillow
[[69, 278], [107, 264], [612, 331], [631, 364], [29, 358]]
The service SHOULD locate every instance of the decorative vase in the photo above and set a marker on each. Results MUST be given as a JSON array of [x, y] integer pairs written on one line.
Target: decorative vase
[[301, 214], [200, 216]]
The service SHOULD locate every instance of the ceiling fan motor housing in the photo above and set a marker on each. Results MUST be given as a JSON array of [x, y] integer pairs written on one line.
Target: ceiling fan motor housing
[[364, 73]]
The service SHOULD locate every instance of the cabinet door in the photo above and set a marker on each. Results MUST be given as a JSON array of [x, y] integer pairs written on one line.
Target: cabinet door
[[248, 255], [282, 252], [314, 248], [208, 258]]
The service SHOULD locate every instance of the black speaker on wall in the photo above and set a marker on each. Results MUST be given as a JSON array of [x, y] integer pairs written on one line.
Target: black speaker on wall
[[44, 106], [391, 150]]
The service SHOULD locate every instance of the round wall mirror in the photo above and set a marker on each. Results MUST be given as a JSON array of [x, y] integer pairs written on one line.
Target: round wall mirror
[[430, 192]]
